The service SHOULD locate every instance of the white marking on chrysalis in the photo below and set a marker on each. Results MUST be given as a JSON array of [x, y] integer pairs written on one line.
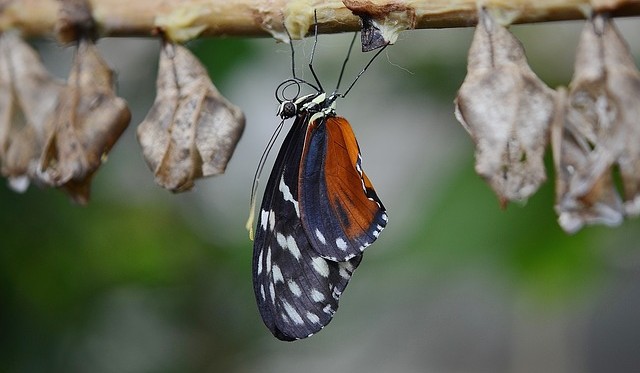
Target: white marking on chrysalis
[[286, 194], [292, 246], [320, 237], [281, 240], [292, 313], [321, 266], [317, 296], [295, 289], [277, 274], [264, 219], [260, 261], [342, 244], [313, 318], [272, 220]]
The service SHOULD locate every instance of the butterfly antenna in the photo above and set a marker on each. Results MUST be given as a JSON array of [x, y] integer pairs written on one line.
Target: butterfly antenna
[[313, 50], [293, 52], [293, 62], [344, 63], [364, 69], [256, 178]]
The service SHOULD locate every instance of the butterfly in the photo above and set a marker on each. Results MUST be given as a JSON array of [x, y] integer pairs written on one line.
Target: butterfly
[[318, 214]]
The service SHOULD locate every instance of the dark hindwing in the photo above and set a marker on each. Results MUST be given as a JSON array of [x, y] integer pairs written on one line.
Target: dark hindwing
[[297, 290], [340, 210]]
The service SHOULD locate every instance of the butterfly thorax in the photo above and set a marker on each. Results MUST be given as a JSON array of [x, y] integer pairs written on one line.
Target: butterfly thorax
[[317, 105]]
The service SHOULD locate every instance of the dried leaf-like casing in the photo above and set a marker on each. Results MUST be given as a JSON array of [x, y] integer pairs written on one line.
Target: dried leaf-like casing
[[507, 110], [601, 128], [192, 130], [28, 96], [584, 191], [88, 121]]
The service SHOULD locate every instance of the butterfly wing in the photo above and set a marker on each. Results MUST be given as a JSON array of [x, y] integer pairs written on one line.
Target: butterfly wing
[[296, 289], [340, 210]]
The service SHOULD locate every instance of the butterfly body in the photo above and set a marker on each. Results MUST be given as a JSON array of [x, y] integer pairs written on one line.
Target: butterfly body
[[318, 214]]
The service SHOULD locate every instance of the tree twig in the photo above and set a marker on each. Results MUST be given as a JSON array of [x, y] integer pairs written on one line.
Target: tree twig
[[265, 17]]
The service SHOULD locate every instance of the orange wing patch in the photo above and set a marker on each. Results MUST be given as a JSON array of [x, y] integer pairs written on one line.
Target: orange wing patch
[[347, 185]]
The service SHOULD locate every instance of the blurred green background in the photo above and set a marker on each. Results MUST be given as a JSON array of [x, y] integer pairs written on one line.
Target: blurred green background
[[142, 280]]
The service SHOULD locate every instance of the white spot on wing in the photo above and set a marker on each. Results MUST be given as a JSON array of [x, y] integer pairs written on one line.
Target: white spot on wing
[[264, 219], [292, 313], [344, 274], [342, 244], [320, 265], [313, 318], [317, 296], [260, 261], [277, 274], [295, 289], [264, 296], [346, 269], [281, 240], [292, 246], [328, 310], [272, 293], [286, 194], [268, 261], [320, 237], [336, 293], [272, 220], [347, 266]]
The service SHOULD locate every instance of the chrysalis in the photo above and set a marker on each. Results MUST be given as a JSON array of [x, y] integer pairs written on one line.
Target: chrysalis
[[381, 23], [507, 111], [192, 130], [28, 97], [88, 121], [600, 129]]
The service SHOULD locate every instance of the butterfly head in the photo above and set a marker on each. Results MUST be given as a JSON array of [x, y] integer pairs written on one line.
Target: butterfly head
[[287, 109]]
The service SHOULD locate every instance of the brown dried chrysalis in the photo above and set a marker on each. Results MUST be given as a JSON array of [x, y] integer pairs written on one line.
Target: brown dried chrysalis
[[88, 121], [507, 110], [601, 128], [28, 97], [192, 130]]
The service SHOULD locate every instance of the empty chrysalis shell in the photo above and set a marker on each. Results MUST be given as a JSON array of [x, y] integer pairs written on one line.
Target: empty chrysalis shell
[[87, 122], [507, 110], [191, 130], [28, 97], [600, 130]]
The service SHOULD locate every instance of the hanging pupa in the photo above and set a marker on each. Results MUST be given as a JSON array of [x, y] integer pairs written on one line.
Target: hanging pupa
[[600, 129], [28, 97], [191, 130], [89, 117], [88, 121], [507, 110]]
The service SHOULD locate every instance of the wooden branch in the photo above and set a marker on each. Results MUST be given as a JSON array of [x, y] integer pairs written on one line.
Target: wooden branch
[[265, 17]]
